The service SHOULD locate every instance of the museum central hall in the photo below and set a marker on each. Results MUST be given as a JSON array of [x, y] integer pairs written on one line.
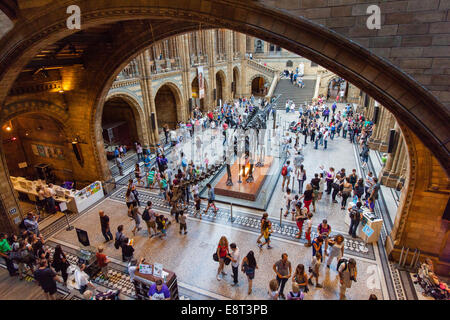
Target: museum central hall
[[224, 150]]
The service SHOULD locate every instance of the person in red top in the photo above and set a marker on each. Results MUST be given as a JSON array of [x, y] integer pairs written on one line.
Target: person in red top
[[222, 253], [102, 261]]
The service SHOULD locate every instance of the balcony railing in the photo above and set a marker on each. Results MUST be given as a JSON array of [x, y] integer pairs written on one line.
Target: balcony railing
[[198, 60], [221, 57], [165, 65]]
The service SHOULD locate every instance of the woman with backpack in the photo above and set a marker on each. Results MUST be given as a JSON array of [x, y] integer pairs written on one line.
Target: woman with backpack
[[359, 189], [248, 267], [150, 220]]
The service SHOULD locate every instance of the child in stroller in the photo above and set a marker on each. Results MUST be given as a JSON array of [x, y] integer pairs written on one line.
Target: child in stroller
[[431, 284]]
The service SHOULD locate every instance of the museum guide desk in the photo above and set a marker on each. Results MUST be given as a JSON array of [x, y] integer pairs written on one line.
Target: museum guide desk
[[76, 200], [142, 283], [369, 227]]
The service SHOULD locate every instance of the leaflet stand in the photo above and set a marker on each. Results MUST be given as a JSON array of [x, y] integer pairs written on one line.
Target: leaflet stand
[[63, 209]]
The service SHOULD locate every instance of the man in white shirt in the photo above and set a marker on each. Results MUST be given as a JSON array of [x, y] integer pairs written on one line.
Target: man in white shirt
[[235, 257]]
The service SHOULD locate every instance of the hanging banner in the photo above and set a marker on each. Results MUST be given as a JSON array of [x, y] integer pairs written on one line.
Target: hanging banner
[[201, 86]]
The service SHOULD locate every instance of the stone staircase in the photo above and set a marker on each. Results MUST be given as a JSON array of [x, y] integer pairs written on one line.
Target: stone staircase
[[296, 94]]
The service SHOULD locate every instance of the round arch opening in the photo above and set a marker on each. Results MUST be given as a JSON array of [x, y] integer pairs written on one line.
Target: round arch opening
[[167, 106], [220, 87], [197, 102], [259, 86], [120, 125]]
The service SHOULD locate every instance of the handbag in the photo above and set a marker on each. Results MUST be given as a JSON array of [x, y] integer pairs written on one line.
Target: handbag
[[227, 261], [215, 257]]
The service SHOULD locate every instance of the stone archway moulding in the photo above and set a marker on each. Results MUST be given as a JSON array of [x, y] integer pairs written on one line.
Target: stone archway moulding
[[266, 80], [33, 106], [138, 112], [176, 93], [400, 93]]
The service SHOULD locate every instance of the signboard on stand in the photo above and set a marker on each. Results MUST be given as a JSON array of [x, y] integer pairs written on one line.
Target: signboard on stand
[[367, 230]]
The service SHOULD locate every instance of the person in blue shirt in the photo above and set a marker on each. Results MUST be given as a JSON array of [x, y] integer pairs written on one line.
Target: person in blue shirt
[[146, 165], [116, 152], [333, 107], [159, 291]]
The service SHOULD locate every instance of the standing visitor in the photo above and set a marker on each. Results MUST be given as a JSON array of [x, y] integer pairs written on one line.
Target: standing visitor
[[150, 219], [347, 273], [119, 164], [139, 152], [346, 192], [308, 230], [104, 223], [283, 270], [295, 294], [286, 173], [267, 230], [307, 196], [60, 263], [46, 278], [264, 218], [82, 279], [301, 177], [337, 249], [248, 267], [314, 269], [102, 262], [300, 278], [211, 199], [355, 217], [5, 251], [235, 257], [31, 224], [222, 253], [120, 237], [324, 230], [135, 215]]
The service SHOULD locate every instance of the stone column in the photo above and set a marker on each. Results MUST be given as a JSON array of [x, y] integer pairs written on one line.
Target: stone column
[[182, 43], [147, 96], [10, 210], [389, 124], [211, 49], [229, 51], [240, 90]]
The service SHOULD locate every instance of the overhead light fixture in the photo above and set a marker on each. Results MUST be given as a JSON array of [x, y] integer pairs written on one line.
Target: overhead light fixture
[[8, 126], [61, 91]]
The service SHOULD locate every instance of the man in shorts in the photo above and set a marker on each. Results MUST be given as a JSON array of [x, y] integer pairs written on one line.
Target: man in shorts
[[46, 278]]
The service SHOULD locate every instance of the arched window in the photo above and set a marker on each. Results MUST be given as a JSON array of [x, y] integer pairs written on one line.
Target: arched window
[[289, 63]]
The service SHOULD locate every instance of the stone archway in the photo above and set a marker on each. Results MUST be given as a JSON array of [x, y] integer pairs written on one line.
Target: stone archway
[[168, 105], [401, 94], [221, 93]]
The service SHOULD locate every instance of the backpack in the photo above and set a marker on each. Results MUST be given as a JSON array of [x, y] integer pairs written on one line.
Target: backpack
[[284, 171], [341, 261], [22, 225], [146, 215]]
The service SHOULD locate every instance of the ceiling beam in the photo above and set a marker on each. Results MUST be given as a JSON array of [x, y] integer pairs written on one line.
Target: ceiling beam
[[52, 63]]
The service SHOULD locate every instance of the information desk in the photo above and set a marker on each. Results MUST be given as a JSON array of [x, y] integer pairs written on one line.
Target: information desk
[[142, 283], [76, 200], [369, 228]]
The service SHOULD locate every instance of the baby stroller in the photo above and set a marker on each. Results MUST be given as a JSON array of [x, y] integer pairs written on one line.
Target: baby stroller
[[431, 284], [294, 127]]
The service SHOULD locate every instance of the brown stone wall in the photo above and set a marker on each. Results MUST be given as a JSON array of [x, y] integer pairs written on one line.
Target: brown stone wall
[[414, 34]]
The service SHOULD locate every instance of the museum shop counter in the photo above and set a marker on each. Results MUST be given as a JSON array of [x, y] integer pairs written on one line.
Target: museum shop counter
[[76, 200]]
